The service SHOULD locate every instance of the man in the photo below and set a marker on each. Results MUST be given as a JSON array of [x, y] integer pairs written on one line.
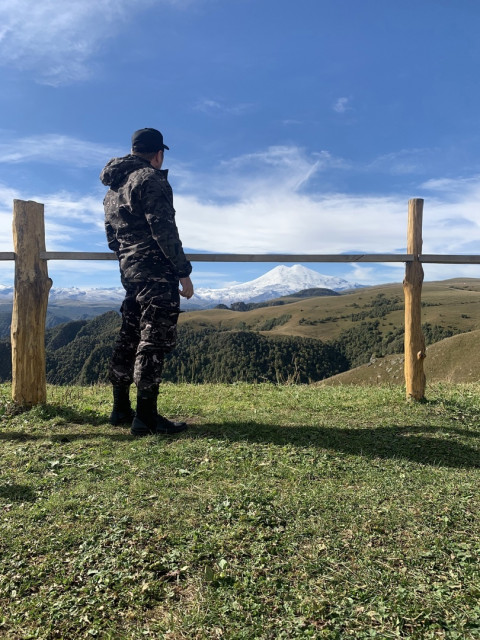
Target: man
[[141, 229]]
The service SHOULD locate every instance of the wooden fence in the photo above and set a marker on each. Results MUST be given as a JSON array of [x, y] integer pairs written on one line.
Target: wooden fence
[[32, 286]]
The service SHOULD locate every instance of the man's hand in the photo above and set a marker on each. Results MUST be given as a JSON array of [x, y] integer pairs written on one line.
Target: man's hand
[[187, 288]]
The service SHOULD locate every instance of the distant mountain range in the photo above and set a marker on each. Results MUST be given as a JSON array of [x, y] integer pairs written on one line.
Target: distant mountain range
[[107, 296], [280, 281]]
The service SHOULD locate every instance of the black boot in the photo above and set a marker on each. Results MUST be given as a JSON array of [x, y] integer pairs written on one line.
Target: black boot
[[148, 422], [145, 419], [122, 412]]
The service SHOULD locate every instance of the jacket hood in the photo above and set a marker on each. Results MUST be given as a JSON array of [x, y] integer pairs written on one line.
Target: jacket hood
[[117, 170]]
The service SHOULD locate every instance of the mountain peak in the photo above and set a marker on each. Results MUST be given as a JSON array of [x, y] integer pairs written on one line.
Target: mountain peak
[[279, 281]]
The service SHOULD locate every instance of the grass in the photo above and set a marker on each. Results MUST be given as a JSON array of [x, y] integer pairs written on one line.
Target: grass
[[450, 303], [284, 512], [453, 359]]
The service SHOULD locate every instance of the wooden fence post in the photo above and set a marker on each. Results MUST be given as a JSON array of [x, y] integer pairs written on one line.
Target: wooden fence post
[[412, 286], [32, 284]]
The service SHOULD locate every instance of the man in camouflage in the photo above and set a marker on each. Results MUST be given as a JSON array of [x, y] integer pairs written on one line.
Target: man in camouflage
[[141, 229]]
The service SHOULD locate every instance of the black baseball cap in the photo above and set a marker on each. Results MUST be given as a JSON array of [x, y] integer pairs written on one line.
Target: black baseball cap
[[148, 141]]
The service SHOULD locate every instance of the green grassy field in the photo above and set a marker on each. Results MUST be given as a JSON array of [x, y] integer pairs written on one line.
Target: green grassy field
[[284, 512]]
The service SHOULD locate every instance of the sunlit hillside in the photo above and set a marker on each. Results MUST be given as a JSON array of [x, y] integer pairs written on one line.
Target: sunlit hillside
[[450, 303], [454, 359]]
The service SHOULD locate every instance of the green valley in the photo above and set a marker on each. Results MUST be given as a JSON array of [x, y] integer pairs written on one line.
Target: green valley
[[293, 339]]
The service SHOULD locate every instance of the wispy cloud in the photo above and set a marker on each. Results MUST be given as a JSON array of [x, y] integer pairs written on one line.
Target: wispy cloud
[[84, 213], [54, 148], [277, 167], [342, 105], [7, 196], [364, 274], [6, 242], [450, 185], [70, 219], [213, 107], [57, 38], [404, 161]]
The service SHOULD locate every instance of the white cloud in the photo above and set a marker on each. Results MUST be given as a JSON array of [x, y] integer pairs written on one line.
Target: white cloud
[[283, 221], [403, 162], [288, 122], [265, 208], [7, 196], [434, 272], [6, 242], [449, 184], [342, 105], [265, 203], [363, 274], [72, 223], [72, 268], [68, 219], [54, 148], [262, 202], [57, 38], [213, 107], [395, 272], [289, 167], [85, 210]]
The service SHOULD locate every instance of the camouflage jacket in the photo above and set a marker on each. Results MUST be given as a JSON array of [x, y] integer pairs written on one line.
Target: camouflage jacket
[[140, 221]]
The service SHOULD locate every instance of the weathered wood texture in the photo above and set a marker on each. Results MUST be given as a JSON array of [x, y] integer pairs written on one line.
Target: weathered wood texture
[[272, 257], [412, 286], [438, 258], [243, 257], [32, 285]]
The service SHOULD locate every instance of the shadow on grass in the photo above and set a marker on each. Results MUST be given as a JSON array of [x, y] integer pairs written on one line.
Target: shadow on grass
[[66, 436], [68, 414], [433, 445], [443, 446], [66, 420], [17, 492]]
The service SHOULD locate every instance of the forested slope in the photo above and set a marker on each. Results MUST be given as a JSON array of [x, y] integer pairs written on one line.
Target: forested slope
[[300, 341]]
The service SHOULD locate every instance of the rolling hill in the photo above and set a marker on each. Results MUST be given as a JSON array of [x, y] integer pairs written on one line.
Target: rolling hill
[[453, 305], [454, 360], [307, 339]]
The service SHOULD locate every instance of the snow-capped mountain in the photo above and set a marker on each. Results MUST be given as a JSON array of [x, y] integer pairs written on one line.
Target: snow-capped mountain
[[65, 295], [114, 295], [280, 281]]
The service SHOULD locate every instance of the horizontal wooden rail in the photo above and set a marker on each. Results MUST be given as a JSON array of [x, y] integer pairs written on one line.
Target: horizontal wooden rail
[[275, 257], [77, 255], [431, 258], [427, 258], [243, 257]]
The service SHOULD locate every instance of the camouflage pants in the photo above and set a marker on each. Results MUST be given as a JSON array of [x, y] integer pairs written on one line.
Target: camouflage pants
[[149, 331]]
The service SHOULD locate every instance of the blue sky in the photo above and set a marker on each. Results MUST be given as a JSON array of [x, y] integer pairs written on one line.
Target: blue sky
[[294, 127]]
